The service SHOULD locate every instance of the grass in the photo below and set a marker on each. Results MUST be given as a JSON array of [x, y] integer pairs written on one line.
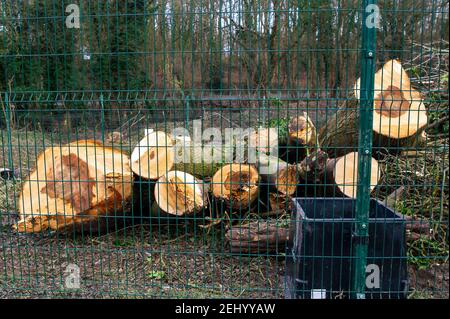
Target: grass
[[425, 252], [426, 199]]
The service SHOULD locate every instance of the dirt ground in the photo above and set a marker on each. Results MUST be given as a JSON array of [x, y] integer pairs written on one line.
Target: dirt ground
[[155, 261], [135, 263], [148, 261]]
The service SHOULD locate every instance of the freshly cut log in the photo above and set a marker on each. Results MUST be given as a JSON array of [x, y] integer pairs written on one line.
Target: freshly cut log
[[261, 236], [399, 115], [341, 175], [302, 131], [301, 139], [153, 156], [179, 193], [277, 173], [236, 185], [322, 176], [73, 185]]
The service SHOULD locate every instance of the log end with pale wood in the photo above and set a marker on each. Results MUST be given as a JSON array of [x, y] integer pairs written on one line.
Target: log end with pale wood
[[342, 175], [153, 156], [398, 109], [179, 193], [335, 177], [264, 140], [236, 185], [399, 115], [302, 139], [73, 185]]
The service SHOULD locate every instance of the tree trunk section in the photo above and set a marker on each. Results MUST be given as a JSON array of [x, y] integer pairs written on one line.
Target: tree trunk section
[[322, 176], [263, 236], [153, 156], [339, 135], [75, 185], [199, 160], [179, 193], [302, 138], [399, 116], [236, 184]]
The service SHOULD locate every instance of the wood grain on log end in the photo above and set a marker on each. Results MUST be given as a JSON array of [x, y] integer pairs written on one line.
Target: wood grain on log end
[[71, 181], [236, 184]]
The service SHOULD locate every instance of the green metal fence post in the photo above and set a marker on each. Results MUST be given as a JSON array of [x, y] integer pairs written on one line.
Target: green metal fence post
[[187, 110], [102, 105], [361, 231], [8, 131]]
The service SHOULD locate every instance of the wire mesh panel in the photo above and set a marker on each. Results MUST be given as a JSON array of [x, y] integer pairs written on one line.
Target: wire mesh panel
[[232, 148]]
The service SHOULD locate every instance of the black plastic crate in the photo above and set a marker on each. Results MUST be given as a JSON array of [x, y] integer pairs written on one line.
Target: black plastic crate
[[319, 253]]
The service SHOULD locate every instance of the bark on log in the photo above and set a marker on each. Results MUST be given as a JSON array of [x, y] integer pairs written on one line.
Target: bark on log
[[179, 193], [236, 184], [153, 156], [75, 185], [399, 116], [199, 160], [321, 176], [143, 196], [278, 174], [263, 236]]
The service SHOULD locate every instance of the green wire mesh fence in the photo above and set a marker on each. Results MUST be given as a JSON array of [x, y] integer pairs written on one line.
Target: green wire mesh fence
[[224, 148]]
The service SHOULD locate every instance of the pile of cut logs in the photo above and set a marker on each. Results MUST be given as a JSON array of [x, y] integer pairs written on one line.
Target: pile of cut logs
[[73, 185]]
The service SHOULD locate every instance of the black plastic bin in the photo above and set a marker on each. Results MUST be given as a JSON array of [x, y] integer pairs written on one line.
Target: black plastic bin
[[319, 253]]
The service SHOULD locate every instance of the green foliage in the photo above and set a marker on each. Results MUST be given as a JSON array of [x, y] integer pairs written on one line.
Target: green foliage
[[282, 125], [424, 252], [156, 275], [42, 54], [123, 242]]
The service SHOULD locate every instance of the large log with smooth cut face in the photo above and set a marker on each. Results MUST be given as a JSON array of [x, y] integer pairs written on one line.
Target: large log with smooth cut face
[[75, 185], [399, 116], [341, 175]]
